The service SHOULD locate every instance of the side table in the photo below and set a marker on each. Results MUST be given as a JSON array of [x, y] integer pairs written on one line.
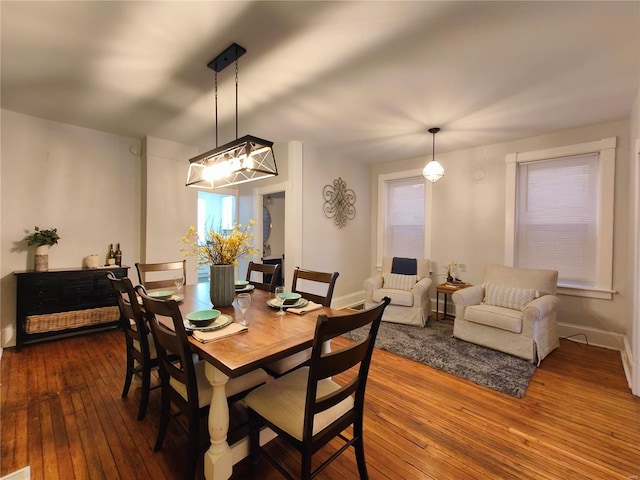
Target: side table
[[447, 289]]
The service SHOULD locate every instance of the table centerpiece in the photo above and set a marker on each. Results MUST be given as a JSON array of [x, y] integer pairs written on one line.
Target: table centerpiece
[[220, 250]]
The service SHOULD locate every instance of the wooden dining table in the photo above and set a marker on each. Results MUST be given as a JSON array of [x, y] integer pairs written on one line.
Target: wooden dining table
[[269, 337]]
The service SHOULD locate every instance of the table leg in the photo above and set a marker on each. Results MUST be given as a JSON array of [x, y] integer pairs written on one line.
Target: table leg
[[218, 459], [445, 307], [437, 304]]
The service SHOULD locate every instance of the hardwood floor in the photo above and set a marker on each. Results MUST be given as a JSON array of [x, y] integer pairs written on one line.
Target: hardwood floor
[[61, 413]]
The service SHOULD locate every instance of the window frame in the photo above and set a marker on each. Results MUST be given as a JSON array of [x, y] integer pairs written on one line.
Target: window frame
[[606, 149], [383, 179]]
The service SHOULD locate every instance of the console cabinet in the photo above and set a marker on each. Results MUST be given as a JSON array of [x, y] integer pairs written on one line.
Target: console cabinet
[[61, 302]]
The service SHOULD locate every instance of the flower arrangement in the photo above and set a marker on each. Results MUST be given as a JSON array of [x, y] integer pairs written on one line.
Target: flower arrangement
[[452, 271], [220, 248], [452, 265], [43, 237]]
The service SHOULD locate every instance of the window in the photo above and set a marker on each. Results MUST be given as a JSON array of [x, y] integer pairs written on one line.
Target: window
[[215, 211], [404, 219], [560, 215]]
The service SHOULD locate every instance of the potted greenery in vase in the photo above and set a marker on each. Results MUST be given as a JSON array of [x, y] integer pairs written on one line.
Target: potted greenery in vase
[[42, 239], [220, 251]]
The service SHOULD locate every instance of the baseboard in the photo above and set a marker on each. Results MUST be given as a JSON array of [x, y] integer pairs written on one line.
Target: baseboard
[[348, 301], [627, 361], [598, 338]]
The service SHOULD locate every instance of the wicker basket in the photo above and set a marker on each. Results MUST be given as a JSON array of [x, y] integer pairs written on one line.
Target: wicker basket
[[66, 320]]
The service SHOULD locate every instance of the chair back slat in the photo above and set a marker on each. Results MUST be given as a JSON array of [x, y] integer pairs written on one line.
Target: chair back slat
[[318, 278], [263, 269], [162, 275]]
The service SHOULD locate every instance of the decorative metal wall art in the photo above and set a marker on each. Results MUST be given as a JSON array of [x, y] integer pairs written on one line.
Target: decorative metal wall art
[[339, 202]]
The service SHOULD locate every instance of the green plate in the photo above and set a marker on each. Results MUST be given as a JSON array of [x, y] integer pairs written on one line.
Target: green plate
[[220, 322], [203, 315], [241, 283], [275, 303], [161, 294], [289, 296]]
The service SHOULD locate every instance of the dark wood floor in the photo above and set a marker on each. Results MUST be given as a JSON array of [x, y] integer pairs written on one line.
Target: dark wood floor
[[61, 413]]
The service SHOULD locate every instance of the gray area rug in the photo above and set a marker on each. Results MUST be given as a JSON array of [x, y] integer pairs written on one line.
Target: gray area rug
[[434, 346]]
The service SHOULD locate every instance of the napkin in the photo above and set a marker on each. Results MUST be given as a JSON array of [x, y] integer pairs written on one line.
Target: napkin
[[309, 307], [231, 329]]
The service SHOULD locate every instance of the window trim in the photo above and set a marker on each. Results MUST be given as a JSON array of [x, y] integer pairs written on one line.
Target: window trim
[[606, 148], [382, 201]]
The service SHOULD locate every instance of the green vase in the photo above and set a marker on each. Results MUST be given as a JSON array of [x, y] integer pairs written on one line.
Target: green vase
[[222, 285]]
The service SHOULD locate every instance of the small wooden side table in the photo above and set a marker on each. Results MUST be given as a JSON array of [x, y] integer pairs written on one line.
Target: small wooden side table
[[447, 289]]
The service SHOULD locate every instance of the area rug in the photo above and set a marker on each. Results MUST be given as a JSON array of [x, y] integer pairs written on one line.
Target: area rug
[[435, 346]]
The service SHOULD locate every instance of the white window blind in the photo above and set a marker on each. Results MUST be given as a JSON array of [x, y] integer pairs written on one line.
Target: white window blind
[[404, 218], [557, 218]]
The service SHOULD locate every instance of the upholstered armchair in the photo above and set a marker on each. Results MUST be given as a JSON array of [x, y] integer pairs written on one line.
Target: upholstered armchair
[[406, 282], [513, 311]]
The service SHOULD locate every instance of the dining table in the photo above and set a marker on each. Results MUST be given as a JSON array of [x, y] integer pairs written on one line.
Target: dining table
[[269, 337]]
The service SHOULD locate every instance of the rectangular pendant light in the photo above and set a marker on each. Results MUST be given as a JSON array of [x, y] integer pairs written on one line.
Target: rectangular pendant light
[[242, 160]]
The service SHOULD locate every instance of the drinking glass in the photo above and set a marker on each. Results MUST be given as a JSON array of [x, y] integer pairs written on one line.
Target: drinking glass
[[280, 291], [244, 301], [179, 282]]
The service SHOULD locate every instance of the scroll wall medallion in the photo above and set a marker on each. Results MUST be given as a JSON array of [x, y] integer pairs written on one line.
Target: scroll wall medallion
[[339, 202]]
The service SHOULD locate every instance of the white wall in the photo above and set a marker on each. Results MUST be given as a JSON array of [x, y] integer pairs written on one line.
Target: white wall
[[83, 182], [169, 208], [325, 246], [468, 211]]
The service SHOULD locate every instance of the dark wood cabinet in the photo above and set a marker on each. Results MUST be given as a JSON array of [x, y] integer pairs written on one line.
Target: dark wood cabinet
[[64, 301]]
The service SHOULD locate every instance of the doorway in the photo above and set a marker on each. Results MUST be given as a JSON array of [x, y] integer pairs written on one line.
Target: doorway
[[273, 228], [216, 211]]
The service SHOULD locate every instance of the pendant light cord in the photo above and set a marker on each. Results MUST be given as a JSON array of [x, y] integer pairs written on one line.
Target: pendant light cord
[[236, 98], [433, 148], [216, 102]]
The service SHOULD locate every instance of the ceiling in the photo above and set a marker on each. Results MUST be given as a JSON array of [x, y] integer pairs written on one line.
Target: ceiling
[[363, 80]]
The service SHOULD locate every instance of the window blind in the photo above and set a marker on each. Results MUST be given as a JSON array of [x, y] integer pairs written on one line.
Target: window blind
[[404, 218], [557, 217]]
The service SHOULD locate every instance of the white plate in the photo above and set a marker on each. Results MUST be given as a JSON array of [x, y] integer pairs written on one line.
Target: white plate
[[275, 303], [246, 289], [220, 322]]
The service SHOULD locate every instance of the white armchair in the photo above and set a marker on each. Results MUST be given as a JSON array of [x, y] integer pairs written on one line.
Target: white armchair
[[513, 311], [409, 292]]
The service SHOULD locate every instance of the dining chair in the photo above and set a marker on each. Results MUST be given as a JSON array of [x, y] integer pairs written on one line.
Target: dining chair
[[316, 279], [265, 270], [160, 273], [141, 352], [308, 409], [183, 381]]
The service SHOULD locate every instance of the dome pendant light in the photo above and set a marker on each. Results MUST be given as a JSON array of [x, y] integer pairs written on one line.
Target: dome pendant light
[[433, 171]]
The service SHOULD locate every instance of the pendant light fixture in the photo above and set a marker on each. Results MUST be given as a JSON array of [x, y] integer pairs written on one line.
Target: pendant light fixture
[[242, 160], [433, 171]]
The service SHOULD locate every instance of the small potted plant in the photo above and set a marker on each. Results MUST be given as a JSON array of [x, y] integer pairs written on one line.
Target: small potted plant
[[42, 239]]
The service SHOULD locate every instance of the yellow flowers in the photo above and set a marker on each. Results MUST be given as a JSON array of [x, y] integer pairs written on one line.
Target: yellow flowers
[[220, 248]]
